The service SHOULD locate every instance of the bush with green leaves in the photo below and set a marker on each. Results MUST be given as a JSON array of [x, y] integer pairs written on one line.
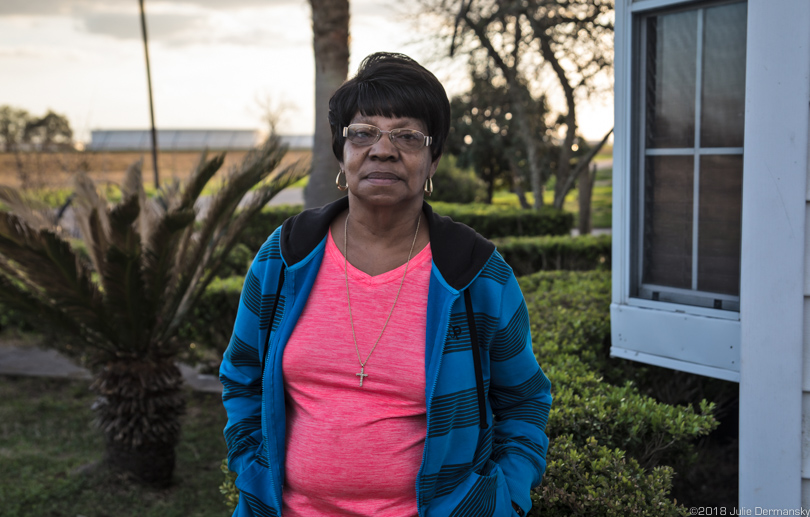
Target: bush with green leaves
[[527, 255], [262, 224], [592, 480], [452, 184], [621, 417], [212, 318], [493, 221], [570, 315]]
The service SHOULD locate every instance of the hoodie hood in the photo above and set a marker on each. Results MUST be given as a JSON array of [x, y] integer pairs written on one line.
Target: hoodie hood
[[459, 253]]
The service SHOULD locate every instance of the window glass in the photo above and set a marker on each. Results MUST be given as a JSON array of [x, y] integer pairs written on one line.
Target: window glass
[[690, 130], [720, 209], [668, 221], [671, 75], [723, 95]]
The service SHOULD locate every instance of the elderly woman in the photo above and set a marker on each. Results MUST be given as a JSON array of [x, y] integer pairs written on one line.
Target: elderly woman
[[381, 363]]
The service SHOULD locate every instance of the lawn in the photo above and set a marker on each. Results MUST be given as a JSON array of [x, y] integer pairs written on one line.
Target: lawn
[[51, 452], [601, 200]]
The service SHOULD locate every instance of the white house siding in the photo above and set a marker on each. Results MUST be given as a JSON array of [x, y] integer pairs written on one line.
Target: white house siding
[[806, 351], [774, 257]]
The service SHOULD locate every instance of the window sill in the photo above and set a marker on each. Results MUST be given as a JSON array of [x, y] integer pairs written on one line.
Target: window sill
[[679, 340]]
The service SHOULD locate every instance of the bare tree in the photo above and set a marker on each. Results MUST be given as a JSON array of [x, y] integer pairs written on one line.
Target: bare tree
[[572, 39], [330, 42]]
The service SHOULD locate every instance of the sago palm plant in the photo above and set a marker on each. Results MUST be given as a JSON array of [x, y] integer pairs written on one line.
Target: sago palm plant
[[149, 263]]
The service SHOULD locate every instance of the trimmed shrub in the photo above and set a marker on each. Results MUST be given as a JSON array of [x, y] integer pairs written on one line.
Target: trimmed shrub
[[570, 315], [651, 432], [527, 255], [493, 221], [592, 480], [237, 262], [211, 323], [454, 185], [262, 225], [570, 318]]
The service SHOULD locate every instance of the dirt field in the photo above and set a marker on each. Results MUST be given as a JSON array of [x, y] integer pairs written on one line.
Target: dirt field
[[56, 170]]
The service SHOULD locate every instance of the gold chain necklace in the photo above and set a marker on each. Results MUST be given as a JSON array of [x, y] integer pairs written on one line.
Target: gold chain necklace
[[362, 373]]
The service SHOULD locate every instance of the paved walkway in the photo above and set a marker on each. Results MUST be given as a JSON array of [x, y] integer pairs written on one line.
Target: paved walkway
[[40, 362]]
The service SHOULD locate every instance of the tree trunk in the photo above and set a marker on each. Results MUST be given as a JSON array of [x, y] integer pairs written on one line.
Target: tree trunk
[[585, 196], [517, 183], [138, 409], [330, 41], [535, 172]]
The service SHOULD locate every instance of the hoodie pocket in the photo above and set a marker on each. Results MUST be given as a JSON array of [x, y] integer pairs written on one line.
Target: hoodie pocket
[[255, 497], [483, 495]]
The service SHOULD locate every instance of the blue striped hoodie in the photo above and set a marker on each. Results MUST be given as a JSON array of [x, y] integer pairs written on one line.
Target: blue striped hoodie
[[487, 405]]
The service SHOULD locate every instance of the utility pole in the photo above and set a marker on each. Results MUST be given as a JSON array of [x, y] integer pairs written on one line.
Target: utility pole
[[151, 106]]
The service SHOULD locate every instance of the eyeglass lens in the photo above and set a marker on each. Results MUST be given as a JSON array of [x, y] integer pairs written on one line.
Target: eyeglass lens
[[402, 138]]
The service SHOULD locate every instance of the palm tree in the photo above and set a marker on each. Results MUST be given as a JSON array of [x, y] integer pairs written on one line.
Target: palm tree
[[330, 43], [149, 263]]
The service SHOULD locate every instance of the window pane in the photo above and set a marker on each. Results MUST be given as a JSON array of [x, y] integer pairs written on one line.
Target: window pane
[[723, 99], [668, 201], [719, 228], [670, 82]]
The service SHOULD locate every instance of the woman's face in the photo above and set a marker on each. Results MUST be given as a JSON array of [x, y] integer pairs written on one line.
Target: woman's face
[[382, 174]]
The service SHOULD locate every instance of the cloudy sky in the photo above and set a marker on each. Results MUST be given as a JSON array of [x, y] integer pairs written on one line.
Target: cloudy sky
[[215, 63]]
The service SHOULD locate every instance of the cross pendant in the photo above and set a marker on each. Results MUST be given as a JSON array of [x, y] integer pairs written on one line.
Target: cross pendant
[[361, 375]]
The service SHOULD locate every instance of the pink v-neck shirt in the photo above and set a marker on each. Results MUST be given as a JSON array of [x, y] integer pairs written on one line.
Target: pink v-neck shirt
[[355, 450]]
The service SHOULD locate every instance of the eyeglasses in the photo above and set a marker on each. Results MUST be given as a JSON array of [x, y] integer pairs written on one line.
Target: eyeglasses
[[365, 135]]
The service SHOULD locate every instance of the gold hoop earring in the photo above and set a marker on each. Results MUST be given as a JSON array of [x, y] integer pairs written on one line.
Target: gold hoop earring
[[429, 186], [340, 187]]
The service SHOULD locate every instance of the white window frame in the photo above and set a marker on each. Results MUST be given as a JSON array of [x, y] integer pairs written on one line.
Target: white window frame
[[691, 338]]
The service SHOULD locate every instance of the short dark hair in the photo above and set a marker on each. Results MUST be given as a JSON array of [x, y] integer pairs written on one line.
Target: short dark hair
[[391, 85]]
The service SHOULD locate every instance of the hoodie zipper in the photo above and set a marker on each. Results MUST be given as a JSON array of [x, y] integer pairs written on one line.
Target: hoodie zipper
[[429, 403], [282, 281]]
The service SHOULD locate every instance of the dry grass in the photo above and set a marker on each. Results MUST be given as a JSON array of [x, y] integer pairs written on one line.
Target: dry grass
[[55, 170]]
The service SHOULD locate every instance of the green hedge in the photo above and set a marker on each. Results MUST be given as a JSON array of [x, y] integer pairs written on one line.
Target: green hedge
[[454, 185], [491, 221], [528, 255], [211, 323], [591, 480], [637, 435], [262, 225]]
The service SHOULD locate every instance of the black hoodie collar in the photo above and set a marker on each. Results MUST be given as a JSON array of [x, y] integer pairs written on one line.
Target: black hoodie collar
[[458, 251]]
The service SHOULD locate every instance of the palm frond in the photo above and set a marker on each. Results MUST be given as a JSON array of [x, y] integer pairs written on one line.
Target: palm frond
[[91, 216], [278, 182], [159, 261], [199, 178], [48, 319], [46, 261], [122, 273], [34, 212], [208, 241]]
